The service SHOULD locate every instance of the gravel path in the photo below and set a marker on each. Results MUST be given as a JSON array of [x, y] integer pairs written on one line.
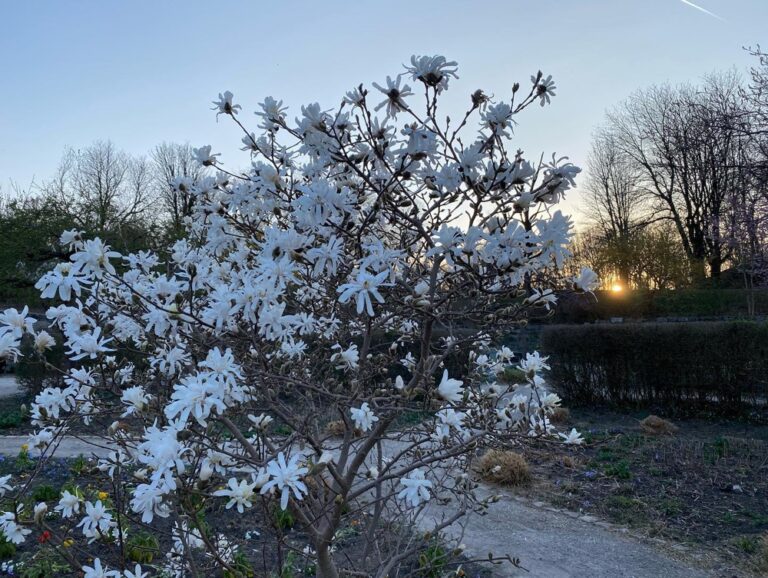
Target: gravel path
[[553, 544], [549, 544], [8, 385]]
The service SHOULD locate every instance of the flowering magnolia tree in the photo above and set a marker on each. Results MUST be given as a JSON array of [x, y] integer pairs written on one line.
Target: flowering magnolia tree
[[320, 343]]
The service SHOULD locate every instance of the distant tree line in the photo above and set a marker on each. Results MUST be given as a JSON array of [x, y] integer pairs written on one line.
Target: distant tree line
[[677, 185], [133, 202]]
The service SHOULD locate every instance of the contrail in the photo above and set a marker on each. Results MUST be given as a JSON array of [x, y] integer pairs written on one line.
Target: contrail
[[712, 14]]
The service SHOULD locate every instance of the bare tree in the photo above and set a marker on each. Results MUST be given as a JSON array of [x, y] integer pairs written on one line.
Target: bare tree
[[102, 189], [175, 171], [690, 149], [614, 199]]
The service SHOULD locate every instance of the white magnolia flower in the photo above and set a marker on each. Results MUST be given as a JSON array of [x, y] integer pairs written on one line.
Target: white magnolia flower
[[39, 512], [545, 88], [416, 488], [94, 258], [395, 94], [449, 389], [362, 289], [147, 500], [99, 571], [44, 341], [572, 437], [451, 418], [286, 477], [204, 157], [88, 345], [17, 322], [550, 401], [71, 238], [9, 345], [533, 363], [69, 504], [434, 71], [12, 531], [545, 298], [239, 493], [135, 398], [4, 485], [346, 358], [224, 104], [260, 421], [137, 572], [586, 281], [363, 417], [97, 522]]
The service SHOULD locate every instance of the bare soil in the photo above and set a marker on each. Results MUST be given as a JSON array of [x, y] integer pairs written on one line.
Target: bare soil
[[704, 488]]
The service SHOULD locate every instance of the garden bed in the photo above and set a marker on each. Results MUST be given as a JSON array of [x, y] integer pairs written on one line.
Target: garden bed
[[269, 540], [703, 487]]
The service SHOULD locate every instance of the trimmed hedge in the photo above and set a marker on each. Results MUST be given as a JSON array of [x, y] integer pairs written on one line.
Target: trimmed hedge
[[679, 366], [645, 304]]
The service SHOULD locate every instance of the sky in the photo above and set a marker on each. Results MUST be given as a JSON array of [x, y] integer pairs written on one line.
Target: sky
[[142, 72]]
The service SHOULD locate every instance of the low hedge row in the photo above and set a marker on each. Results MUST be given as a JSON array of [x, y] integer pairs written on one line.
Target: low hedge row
[[645, 304], [678, 366]]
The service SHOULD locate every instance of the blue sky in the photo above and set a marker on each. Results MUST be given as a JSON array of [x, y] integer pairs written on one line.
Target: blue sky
[[142, 72]]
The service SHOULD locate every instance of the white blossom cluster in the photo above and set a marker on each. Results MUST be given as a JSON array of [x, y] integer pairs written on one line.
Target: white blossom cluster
[[356, 254]]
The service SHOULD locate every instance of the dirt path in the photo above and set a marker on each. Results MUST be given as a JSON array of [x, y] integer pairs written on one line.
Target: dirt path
[[549, 544]]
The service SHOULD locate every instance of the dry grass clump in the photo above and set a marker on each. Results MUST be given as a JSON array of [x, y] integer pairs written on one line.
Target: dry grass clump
[[568, 462], [335, 428], [560, 415], [503, 467], [655, 425]]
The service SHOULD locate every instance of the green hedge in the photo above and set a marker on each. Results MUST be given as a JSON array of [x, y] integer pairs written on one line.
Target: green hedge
[[678, 366]]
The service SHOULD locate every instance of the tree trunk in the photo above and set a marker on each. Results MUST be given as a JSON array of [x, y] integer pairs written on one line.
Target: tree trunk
[[715, 267], [698, 270], [325, 565]]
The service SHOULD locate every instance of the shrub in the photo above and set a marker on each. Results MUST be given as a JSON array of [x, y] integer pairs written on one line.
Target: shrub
[[646, 304], [274, 306], [45, 493], [11, 419], [512, 376], [283, 519], [7, 549], [720, 365], [143, 547], [504, 467], [432, 561]]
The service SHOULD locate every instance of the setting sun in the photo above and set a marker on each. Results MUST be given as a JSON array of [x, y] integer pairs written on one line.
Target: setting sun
[[616, 288]]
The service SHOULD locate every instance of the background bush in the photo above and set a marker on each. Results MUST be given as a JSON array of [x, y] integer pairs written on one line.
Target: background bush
[[679, 366]]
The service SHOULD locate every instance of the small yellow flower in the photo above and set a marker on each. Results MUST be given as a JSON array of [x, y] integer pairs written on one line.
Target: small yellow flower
[[68, 542], [103, 495], [24, 447]]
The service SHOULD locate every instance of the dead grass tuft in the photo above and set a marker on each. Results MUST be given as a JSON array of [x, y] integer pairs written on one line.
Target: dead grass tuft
[[335, 428], [569, 462], [560, 415], [655, 425], [503, 467]]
